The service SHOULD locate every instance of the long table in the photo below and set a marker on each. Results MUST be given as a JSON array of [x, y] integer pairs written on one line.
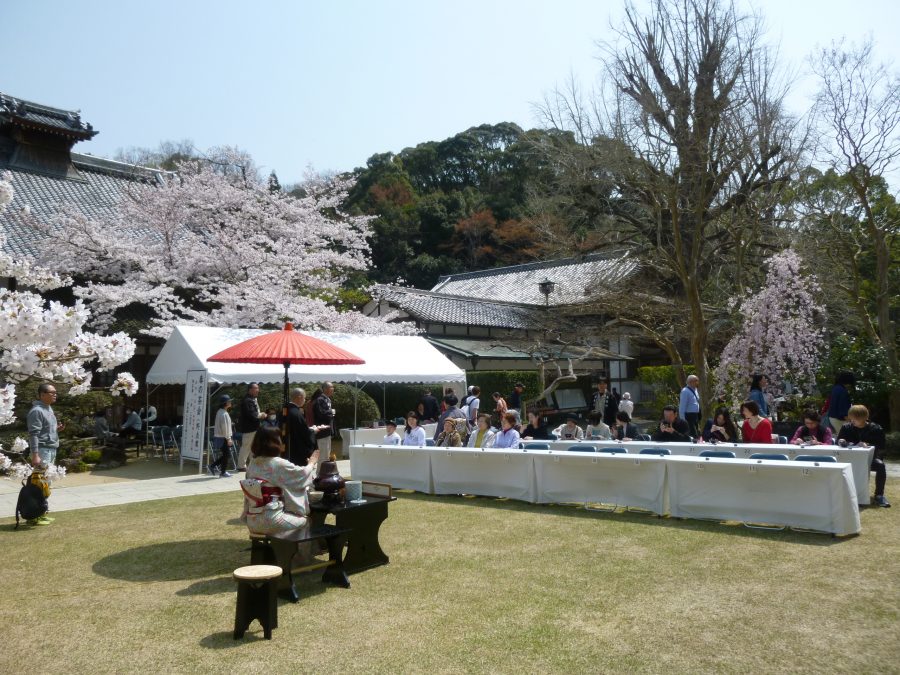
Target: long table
[[798, 494], [859, 458], [801, 494]]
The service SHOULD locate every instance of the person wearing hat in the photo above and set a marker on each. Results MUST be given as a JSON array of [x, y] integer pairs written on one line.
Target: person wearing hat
[[222, 437], [570, 431], [391, 437]]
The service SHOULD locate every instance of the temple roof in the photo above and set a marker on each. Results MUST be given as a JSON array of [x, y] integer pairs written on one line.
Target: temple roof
[[29, 115], [431, 307], [575, 279]]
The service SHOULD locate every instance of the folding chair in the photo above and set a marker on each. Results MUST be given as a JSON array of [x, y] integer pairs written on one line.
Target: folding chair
[[655, 451], [814, 458], [782, 440], [582, 447], [769, 455], [643, 437], [535, 446], [721, 454], [614, 451]]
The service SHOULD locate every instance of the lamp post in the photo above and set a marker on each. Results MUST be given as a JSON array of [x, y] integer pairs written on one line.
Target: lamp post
[[546, 286]]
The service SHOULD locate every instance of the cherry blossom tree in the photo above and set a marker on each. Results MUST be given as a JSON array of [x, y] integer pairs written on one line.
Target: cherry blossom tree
[[209, 246], [47, 340], [782, 333]]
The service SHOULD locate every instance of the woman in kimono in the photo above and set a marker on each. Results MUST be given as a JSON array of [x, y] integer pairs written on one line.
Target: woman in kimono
[[275, 500]]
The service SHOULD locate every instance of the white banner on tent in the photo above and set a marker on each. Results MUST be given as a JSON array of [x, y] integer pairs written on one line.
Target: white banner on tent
[[194, 426]]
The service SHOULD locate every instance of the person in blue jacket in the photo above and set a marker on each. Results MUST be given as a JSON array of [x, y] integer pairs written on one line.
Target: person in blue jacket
[[757, 393], [839, 400]]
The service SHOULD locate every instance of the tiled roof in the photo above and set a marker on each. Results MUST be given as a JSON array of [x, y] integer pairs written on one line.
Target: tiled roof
[[517, 349], [443, 308], [96, 195], [54, 120], [575, 279]]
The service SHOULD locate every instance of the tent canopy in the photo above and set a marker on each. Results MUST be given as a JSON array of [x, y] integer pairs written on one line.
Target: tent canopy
[[389, 358]]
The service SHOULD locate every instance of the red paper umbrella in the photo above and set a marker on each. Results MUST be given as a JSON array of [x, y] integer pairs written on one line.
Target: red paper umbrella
[[286, 347]]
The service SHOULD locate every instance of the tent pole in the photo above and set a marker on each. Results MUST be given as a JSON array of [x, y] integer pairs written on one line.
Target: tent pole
[[355, 405], [384, 400]]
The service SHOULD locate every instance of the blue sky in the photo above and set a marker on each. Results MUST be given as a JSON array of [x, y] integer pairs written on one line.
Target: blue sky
[[328, 84]]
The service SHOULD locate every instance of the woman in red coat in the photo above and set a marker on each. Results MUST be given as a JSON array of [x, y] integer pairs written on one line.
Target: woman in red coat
[[756, 429]]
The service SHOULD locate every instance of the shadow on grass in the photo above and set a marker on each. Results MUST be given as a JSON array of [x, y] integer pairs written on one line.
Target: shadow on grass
[[225, 639], [175, 560], [577, 511]]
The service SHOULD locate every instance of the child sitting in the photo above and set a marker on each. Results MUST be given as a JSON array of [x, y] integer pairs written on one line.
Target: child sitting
[[391, 437]]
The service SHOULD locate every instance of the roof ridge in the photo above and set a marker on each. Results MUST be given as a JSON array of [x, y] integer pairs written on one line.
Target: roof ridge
[[536, 265], [40, 107], [124, 168], [452, 296]]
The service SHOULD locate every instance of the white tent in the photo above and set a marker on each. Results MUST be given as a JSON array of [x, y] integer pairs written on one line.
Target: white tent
[[388, 358]]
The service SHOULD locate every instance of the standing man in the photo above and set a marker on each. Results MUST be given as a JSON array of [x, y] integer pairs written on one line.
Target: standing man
[[432, 408], [249, 417], [323, 414], [689, 404], [514, 400], [222, 438], [301, 439], [43, 434], [605, 403]]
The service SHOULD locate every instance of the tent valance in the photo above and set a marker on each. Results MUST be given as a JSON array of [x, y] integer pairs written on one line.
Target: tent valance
[[389, 358]]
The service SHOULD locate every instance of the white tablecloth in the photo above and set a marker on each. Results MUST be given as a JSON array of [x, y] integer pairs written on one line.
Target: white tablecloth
[[637, 481], [491, 473], [366, 436], [859, 458], [404, 467], [798, 494]]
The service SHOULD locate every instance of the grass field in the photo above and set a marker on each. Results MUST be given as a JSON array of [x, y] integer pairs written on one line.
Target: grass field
[[474, 585]]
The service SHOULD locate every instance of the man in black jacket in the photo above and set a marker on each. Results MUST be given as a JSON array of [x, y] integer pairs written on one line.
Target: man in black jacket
[[605, 403], [861, 432], [323, 416], [249, 416], [301, 440], [672, 429], [432, 409]]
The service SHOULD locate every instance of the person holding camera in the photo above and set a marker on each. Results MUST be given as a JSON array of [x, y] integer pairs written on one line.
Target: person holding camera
[[811, 432], [672, 429]]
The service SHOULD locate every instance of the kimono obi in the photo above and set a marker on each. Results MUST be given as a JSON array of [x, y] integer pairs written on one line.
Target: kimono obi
[[261, 495]]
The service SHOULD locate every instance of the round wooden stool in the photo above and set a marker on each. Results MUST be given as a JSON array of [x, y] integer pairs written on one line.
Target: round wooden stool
[[256, 598]]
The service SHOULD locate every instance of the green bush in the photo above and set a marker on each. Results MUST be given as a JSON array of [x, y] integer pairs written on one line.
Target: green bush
[[664, 384], [892, 444], [91, 457]]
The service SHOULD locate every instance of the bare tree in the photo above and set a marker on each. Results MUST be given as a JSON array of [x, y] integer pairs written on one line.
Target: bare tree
[[858, 107], [696, 146]]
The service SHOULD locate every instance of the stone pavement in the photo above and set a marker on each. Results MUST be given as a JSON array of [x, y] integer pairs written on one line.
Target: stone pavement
[[85, 496]]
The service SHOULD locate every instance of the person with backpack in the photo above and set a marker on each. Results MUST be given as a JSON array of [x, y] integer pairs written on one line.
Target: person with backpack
[[43, 436]]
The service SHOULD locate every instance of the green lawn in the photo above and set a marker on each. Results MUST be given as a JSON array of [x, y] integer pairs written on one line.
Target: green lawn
[[474, 585]]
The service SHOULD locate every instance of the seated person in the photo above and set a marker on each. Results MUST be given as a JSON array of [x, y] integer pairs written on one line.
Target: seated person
[[756, 429], [101, 427], [570, 431], [720, 429], [508, 436], [275, 497], [452, 411], [811, 432], [861, 432], [536, 430], [483, 435], [597, 429], [391, 437], [624, 430], [672, 429], [415, 435], [449, 437], [132, 425]]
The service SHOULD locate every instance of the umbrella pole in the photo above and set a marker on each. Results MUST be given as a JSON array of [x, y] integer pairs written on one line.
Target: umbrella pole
[[355, 424], [284, 411]]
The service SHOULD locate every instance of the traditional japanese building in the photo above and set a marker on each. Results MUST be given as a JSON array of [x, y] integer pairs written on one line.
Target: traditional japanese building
[[514, 318], [36, 150]]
